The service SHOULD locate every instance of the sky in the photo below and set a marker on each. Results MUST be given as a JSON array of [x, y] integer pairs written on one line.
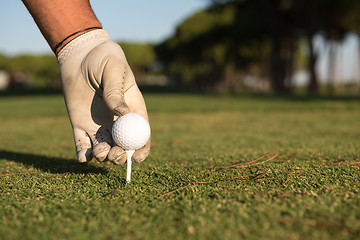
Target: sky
[[347, 65], [140, 21], [125, 20]]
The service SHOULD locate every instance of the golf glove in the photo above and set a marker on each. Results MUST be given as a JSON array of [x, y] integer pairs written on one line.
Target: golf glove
[[98, 86]]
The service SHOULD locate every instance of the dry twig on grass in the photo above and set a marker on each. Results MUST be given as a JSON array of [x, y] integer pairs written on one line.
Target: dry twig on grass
[[13, 174], [250, 164], [237, 165], [59, 175], [339, 163]]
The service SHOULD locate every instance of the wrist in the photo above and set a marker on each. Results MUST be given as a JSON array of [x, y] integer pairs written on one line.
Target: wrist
[[80, 46], [59, 19], [57, 48]]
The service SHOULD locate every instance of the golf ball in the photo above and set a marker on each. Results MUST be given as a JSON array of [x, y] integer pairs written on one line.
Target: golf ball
[[131, 131]]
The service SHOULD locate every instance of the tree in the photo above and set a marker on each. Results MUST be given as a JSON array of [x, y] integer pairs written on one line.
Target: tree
[[281, 24], [237, 34], [215, 46], [42, 70], [139, 57]]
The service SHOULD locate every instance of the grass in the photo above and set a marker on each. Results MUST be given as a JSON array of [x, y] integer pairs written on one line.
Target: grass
[[310, 190]]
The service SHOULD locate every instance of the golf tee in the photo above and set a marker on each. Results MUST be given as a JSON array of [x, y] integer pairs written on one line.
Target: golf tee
[[129, 154]]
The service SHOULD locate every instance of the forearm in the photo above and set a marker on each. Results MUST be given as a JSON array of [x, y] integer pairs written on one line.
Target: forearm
[[57, 19]]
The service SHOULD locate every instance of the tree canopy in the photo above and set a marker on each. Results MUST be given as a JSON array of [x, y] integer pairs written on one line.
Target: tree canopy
[[234, 36]]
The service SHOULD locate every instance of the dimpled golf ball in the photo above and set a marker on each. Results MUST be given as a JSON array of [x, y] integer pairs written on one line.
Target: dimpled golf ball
[[131, 131]]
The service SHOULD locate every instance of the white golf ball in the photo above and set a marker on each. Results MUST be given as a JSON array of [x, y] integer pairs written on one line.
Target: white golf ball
[[131, 131]]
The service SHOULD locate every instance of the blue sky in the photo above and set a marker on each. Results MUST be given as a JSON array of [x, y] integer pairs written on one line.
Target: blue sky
[[135, 20]]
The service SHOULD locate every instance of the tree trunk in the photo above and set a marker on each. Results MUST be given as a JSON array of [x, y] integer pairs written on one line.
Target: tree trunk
[[356, 82], [277, 75], [313, 87], [282, 49], [331, 67]]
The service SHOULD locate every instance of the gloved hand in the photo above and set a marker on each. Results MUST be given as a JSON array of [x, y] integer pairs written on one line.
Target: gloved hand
[[98, 86]]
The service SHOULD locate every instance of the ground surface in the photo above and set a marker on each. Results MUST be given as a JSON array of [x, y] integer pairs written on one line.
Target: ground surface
[[203, 179]]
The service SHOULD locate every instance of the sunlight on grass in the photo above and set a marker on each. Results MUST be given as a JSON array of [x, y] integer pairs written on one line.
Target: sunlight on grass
[[201, 180]]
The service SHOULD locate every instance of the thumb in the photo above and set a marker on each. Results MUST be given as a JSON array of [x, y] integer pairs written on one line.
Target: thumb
[[114, 76]]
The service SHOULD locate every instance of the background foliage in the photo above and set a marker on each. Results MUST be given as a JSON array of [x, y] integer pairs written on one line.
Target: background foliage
[[234, 45]]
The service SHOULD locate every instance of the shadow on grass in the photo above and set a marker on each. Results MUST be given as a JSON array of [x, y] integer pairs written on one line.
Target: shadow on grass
[[51, 164], [30, 92]]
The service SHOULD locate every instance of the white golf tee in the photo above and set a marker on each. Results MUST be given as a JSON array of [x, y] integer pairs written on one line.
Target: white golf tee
[[129, 154]]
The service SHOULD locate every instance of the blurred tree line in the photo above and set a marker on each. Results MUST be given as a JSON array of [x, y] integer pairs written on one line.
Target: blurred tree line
[[41, 71], [229, 45], [216, 48]]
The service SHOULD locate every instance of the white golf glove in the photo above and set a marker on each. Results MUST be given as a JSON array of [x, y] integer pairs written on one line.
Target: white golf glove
[[98, 86]]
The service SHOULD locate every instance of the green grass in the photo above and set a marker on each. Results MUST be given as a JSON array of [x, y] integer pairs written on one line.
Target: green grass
[[309, 191]]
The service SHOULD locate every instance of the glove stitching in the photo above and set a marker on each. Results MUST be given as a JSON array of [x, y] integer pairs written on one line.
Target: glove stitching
[[122, 83]]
